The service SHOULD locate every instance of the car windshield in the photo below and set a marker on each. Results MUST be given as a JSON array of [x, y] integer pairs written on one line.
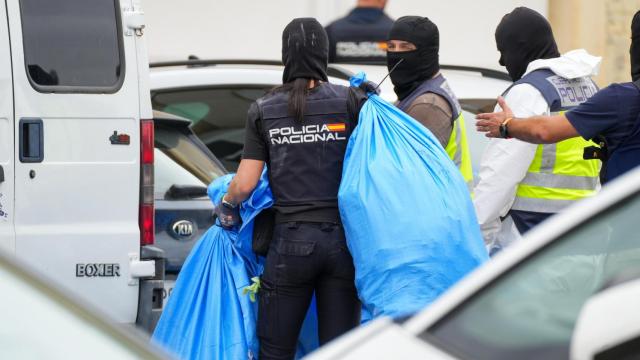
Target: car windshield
[[218, 115], [530, 312], [180, 161]]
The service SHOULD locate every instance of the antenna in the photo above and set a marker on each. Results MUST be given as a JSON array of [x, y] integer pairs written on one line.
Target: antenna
[[386, 76]]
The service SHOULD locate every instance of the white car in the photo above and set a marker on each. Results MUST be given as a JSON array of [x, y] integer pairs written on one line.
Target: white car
[[40, 321], [529, 301], [215, 95]]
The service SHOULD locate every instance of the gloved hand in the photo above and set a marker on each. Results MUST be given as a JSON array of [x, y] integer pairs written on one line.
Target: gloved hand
[[228, 215], [370, 87]]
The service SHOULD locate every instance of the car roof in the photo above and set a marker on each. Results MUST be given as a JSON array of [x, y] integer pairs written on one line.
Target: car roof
[[184, 77], [620, 190], [466, 82]]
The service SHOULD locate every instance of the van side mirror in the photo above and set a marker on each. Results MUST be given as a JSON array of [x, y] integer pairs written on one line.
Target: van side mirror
[[608, 326]]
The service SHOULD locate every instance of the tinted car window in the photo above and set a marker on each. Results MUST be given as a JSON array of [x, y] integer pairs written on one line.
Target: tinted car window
[[531, 311], [218, 116], [72, 43], [180, 161]]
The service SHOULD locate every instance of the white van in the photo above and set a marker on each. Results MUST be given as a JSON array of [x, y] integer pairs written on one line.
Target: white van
[[76, 153]]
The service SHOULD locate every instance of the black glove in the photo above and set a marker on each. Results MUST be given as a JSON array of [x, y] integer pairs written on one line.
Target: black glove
[[370, 87], [228, 214]]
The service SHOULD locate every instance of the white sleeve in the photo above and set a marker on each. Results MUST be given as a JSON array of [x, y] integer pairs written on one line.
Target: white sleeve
[[505, 163]]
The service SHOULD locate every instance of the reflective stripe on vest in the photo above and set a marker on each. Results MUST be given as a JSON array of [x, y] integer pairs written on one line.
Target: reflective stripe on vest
[[457, 148], [558, 175]]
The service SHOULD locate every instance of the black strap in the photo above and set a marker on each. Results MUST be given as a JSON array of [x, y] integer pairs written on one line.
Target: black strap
[[355, 99]]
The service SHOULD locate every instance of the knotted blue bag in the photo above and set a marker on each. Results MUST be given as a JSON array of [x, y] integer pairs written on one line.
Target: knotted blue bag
[[408, 216], [209, 315]]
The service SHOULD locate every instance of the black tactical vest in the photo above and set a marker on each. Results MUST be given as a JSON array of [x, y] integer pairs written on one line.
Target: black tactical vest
[[305, 159]]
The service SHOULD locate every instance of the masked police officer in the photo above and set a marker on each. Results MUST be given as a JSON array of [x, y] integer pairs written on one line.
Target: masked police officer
[[360, 36], [413, 60], [300, 130], [612, 116], [521, 184]]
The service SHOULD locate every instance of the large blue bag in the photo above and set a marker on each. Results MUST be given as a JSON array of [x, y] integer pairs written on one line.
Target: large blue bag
[[407, 213], [208, 315]]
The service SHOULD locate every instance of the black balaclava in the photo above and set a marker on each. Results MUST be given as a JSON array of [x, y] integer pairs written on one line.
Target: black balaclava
[[634, 51], [305, 50], [417, 65], [523, 36]]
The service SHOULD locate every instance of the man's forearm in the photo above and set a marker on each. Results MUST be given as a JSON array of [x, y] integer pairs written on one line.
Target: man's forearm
[[535, 129], [532, 130]]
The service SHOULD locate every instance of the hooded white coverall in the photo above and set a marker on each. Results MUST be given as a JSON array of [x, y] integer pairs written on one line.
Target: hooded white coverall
[[505, 161]]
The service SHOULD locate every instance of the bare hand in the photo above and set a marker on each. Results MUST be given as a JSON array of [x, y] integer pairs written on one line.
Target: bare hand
[[489, 123]]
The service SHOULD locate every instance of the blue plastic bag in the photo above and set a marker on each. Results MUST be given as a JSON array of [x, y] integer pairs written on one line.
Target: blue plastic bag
[[208, 315], [408, 217]]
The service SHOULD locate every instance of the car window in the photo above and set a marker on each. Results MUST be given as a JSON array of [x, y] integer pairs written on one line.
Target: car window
[[180, 161], [35, 326], [218, 115], [530, 312], [72, 44]]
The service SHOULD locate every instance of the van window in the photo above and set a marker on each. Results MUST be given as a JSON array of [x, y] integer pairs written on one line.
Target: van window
[[72, 45]]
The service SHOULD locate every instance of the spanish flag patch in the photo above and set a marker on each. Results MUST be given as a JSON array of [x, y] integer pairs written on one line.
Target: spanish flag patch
[[337, 127]]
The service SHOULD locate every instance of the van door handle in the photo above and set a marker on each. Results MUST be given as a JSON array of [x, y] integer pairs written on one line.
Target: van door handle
[[1, 174], [31, 143]]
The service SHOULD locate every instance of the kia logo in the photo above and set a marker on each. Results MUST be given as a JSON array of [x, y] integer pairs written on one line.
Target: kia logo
[[183, 229]]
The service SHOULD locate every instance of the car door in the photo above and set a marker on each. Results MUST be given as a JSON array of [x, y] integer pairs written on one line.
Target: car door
[[77, 143], [7, 233], [530, 311]]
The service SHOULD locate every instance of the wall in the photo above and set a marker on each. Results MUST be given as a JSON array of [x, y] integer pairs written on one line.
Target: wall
[[602, 27], [252, 29]]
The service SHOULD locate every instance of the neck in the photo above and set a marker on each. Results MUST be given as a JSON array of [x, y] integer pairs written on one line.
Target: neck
[[377, 4]]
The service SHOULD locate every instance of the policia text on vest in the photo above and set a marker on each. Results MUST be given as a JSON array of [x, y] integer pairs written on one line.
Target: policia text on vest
[[308, 134], [558, 175]]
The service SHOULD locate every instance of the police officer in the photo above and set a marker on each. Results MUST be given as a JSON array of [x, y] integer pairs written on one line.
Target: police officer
[[612, 116], [360, 36], [522, 184], [300, 130], [423, 93]]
